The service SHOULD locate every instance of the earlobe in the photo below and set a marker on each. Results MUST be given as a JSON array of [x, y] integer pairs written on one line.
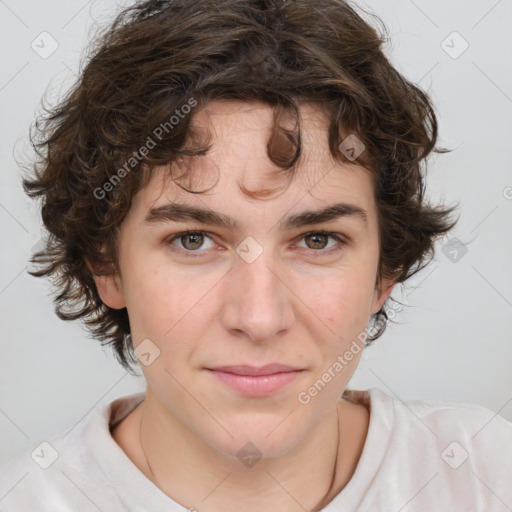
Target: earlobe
[[381, 294], [109, 289]]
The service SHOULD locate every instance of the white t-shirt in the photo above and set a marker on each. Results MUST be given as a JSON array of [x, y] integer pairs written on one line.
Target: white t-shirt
[[419, 455]]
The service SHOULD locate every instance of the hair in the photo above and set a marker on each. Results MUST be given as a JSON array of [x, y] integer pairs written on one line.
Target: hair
[[159, 58]]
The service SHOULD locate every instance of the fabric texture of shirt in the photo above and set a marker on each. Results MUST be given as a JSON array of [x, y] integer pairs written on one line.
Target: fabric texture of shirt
[[419, 456]]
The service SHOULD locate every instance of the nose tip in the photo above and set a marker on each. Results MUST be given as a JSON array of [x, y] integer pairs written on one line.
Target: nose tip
[[257, 301]]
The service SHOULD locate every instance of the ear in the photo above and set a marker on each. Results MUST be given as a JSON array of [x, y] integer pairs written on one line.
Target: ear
[[382, 292], [109, 288]]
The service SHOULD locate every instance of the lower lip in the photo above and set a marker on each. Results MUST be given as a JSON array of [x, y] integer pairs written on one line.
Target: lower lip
[[256, 385]]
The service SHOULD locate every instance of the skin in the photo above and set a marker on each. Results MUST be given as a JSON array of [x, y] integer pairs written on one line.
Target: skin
[[301, 303]]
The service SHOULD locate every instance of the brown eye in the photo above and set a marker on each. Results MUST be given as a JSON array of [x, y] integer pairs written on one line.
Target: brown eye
[[318, 240], [190, 241]]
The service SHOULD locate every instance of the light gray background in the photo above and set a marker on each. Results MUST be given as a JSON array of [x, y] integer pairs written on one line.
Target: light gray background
[[454, 342]]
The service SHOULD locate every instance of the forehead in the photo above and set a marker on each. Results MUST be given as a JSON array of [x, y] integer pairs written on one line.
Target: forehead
[[238, 160], [241, 128]]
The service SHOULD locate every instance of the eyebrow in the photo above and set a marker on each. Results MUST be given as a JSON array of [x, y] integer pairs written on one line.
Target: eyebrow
[[175, 212]]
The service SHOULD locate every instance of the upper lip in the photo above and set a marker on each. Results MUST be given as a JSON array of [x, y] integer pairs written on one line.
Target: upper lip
[[244, 369]]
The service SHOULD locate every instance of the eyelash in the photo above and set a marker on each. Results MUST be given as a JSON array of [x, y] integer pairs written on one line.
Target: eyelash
[[189, 254]]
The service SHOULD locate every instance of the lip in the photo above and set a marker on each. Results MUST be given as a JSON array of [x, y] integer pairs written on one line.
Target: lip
[[256, 381], [244, 369]]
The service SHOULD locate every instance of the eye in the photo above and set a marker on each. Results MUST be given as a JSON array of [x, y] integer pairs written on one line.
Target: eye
[[318, 241], [190, 241]]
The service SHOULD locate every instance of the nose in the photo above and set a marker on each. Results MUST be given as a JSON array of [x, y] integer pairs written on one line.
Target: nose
[[258, 302]]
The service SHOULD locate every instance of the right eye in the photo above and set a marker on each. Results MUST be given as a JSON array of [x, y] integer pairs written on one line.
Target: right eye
[[190, 241]]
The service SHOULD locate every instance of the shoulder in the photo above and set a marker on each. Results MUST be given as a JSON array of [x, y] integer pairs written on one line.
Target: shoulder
[[69, 470], [40, 476], [448, 455], [460, 432], [437, 429], [439, 419], [468, 446], [445, 417]]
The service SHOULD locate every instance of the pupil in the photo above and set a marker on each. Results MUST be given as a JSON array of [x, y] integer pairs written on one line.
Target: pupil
[[192, 237], [316, 237]]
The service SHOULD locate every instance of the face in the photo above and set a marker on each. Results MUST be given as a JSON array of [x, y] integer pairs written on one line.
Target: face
[[263, 288]]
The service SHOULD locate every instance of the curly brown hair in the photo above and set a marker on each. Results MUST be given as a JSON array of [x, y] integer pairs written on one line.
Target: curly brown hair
[[157, 57]]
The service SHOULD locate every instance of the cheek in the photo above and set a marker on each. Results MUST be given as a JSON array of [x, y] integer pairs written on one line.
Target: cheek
[[168, 307], [343, 300], [343, 306], [151, 303]]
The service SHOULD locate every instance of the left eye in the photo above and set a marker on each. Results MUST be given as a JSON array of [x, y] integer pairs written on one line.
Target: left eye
[[319, 238], [191, 241]]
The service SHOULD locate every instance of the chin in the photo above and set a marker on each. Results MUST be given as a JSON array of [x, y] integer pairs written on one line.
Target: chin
[[261, 440]]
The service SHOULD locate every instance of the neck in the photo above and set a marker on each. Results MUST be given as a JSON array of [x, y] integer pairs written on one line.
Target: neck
[[198, 476]]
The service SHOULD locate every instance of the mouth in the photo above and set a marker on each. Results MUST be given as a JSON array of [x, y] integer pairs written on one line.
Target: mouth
[[256, 381]]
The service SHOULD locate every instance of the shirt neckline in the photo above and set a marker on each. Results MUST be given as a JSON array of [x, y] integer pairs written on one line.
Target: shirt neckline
[[136, 490], [374, 451]]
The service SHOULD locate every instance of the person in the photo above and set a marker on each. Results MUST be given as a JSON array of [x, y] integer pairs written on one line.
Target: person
[[232, 190]]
